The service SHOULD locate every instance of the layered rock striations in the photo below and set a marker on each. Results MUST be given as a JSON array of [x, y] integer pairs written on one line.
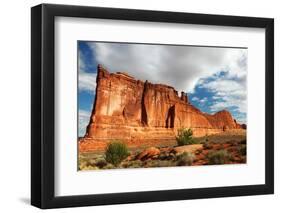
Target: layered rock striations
[[129, 109]]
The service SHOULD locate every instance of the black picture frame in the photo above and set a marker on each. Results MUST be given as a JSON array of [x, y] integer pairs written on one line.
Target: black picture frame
[[43, 105]]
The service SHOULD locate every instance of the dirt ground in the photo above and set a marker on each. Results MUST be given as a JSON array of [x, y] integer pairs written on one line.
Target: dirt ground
[[224, 148]]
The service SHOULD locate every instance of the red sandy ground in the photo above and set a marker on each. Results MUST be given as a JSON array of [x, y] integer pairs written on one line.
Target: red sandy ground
[[99, 146]]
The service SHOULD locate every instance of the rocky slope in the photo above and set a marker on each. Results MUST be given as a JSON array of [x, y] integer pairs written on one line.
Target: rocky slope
[[132, 110]]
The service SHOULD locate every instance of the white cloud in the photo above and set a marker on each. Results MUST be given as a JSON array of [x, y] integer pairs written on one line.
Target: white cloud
[[230, 88], [228, 93], [241, 118], [200, 101], [87, 81], [184, 68], [179, 66], [203, 100], [216, 97], [84, 118], [195, 98]]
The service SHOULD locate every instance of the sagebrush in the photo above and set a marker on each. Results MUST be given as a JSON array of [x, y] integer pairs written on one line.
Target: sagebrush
[[185, 159], [184, 137], [116, 152], [218, 157]]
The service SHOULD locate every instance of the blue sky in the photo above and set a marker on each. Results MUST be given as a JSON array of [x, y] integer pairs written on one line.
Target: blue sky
[[214, 78], [88, 65], [87, 70]]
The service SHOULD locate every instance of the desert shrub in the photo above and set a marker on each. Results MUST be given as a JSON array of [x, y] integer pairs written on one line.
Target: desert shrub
[[206, 138], [91, 162], [243, 141], [185, 137], [82, 164], [166, 156], [101, 163], [132, 164], [90, 168], [159, 163], [207, 145], [87, 164], [116, 152], [185, 159], [108, 166], [242, 149], [218, 157], [164, 163]]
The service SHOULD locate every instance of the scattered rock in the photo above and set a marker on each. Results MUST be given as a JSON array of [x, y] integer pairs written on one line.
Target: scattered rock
[[148, 153], [143, 111], [166, 149], [129, 158], [217, 146], [188, 148]]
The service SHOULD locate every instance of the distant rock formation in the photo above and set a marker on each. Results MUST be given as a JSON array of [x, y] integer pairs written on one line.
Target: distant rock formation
[[129, 109]]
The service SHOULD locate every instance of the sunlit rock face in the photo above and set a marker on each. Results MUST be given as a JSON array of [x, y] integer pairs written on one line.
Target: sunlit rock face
[[132, 110]]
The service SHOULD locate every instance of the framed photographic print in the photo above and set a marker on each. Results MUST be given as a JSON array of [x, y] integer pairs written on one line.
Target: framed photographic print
[[139, 106]]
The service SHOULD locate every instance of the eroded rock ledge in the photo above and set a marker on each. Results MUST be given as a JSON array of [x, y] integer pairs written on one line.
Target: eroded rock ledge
[[132, 110]]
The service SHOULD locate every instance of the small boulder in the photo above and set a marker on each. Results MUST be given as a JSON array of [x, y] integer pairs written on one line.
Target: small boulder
[[150, 152], [188, 148], [166, 150]]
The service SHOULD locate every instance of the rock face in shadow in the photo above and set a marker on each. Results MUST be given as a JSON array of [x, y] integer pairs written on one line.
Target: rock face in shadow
[[129, 109]]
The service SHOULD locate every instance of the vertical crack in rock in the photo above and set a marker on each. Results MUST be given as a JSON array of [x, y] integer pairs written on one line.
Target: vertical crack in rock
[[170, 117], [126, 108], [143, 110]]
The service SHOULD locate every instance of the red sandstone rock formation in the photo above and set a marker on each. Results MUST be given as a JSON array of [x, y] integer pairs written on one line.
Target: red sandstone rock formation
[[129, 109]]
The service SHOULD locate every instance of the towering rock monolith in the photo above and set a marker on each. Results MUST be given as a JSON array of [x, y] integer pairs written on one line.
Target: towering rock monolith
[[129, 109]]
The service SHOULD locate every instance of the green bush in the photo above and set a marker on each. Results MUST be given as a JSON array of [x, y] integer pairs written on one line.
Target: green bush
[[207, 145], [116, 152], [109, 166], [243, 141], [86, 165], [242, 149], [101, 163], [166, 156], [185, 137], [159, 163], [206, 138], [185, 159], [218, 157], [132, 164]]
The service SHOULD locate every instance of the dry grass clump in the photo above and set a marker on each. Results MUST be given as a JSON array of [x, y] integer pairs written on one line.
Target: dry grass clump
[[218, 157], [184, 137], [116, 152], [185, 159]]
